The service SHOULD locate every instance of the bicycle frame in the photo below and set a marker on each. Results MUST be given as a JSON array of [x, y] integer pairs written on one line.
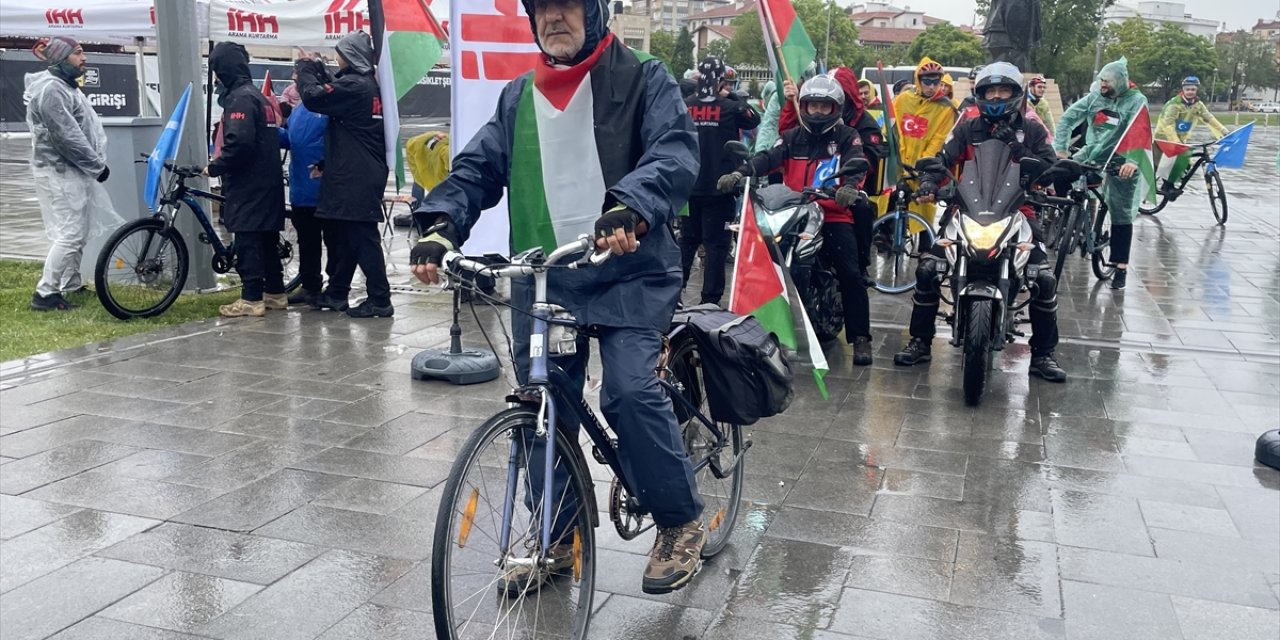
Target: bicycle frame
[[557, 392], [180, 193]]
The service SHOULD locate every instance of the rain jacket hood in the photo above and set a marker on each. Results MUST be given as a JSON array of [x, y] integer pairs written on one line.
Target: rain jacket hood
[[357, 49], [875, 94], [767, 92], [938, 95], [853, 107], [1117, 74], [595, 21], [64, 128], [230, 63]]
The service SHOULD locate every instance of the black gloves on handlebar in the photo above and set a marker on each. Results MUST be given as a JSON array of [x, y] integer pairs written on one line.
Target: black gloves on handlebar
[[1008, 135], [729, 181], [620, 217], [927, 188], [106, 173], [848, 195], [440, 238]]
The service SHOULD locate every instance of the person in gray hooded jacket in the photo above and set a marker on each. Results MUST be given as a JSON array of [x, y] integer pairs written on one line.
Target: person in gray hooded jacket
[[68, 160], [354, 173]]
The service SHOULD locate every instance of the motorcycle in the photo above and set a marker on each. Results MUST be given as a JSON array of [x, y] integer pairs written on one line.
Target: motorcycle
[[794, 222], [987, 243]]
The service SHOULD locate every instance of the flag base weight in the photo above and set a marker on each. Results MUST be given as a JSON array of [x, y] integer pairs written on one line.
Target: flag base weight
[[455, 364]]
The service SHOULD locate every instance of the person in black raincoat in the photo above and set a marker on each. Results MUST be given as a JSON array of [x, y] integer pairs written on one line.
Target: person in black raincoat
[[354, 173], [252, 182], [624, 164]]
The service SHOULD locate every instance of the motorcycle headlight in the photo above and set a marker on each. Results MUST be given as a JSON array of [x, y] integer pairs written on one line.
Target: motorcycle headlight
[[981, 237]]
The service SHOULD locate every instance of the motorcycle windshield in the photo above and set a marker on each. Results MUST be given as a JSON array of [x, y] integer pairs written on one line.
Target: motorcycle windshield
[[776, 204], [989, 188]]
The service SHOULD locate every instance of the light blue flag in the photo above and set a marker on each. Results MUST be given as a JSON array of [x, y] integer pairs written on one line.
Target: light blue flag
[[1231, 148], [166, 149]]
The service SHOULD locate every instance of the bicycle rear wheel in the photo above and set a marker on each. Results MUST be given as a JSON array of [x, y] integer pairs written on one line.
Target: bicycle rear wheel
[[1217, 196], [289, 263], [894, 260], [1151, 210], [1051, 219], [1103, 267], [141, 269], [720, 456], [469, 596], [1066, 240]]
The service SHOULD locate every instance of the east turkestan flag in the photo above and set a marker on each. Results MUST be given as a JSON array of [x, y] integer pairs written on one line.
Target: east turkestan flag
[[408, 46], [166, 149], [760, 289], [1135, 147], [1231, 148]]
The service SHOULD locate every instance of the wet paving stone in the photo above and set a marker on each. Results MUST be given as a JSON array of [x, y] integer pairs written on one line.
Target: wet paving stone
[[864, 535], [884, 615], [244, 465], [19, 515], [918, 483], [309, 600], [62, 598], [374, 621], [50, 466], [41, 551], [377, 466], [1007, 574], [370, 496], [152, 464], [1171, 576], [180, 601], [1186, 518], [627, 618], [791, 582], [1205, 619], [235, 556], [917, 577], [1109, 523], [406, 433], [96, 628], [260, 502], [354, 530], [1098, 612], [146, 498]]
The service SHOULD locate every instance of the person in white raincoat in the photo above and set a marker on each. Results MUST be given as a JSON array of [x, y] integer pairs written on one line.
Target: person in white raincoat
[[68, 162]]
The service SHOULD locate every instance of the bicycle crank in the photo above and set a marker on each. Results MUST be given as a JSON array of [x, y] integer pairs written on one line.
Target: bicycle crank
[[625, 513]]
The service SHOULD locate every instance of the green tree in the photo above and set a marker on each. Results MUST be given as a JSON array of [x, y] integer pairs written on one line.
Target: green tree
[[1245, 61], [894, 56], [1069, 34], [1171, 55], [747, 46], [841, 49], [719, 49], [662, 45], [1129, 39], [682, 58], [948, 45]]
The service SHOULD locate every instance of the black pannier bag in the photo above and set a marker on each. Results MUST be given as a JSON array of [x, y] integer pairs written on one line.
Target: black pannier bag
[[746, 373]]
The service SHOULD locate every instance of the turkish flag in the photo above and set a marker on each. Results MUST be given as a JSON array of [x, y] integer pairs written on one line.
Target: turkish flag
[[914, 126]]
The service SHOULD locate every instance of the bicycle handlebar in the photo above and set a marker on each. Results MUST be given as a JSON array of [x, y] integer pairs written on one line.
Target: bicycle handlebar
[[455, 262]]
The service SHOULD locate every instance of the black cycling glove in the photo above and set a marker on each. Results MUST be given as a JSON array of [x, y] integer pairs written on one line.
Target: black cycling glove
[[439, 239], [620, 217]]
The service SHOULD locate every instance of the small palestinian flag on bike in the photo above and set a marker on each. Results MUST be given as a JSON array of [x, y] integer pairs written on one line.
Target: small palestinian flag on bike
[[762, 288], [1172, 160], [1135, 147]]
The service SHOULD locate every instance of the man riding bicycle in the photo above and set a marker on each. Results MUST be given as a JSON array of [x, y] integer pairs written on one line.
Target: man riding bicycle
[[1181, 114], [998, 89], [1108, 110], [596, 140]]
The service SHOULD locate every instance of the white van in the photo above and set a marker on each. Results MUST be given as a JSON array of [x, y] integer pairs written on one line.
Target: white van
[[893, 75]]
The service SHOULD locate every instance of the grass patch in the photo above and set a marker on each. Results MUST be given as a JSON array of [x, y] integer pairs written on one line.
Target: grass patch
[[24, 332], [1237, 118]]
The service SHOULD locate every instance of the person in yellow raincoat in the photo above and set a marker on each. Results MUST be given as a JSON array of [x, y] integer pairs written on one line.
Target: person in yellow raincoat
[[925, 117], [427, 155]]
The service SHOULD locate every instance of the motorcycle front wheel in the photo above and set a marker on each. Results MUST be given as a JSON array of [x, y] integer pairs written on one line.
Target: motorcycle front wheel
[[977, 349]]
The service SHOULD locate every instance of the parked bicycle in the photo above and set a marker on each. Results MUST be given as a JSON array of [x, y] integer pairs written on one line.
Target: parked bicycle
[[489, 520], [1081, 221], [899, 238], [144, 265], [1169, 191]]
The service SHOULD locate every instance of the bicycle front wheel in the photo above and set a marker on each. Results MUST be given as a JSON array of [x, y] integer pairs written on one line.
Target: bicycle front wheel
[[896, 251], [141, 269], [1066, 238], [287, 247], [1103, 267], [479, 589], [1217, 196], [717, 458]]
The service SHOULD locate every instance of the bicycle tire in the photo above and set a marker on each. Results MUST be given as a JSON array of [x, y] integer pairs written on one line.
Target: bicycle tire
[[1217, 196], [977, 349], [287, 248], [721, 497], [509, 611], [1051, 222], [1157, 207], [902, 257], [1064, 242], [155, 291], [1100, 258]]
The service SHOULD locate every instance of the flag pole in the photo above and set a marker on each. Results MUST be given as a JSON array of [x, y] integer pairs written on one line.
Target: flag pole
[[776, 43], [432, 18]]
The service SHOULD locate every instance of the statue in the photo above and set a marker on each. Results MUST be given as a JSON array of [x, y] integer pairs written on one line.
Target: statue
[[1011, 31]]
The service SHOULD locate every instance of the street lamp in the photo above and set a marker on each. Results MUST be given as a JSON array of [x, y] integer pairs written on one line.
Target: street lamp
[[1213, 86]]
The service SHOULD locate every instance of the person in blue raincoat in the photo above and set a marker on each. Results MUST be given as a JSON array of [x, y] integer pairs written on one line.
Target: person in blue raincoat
[[304, 137], [623, 163]]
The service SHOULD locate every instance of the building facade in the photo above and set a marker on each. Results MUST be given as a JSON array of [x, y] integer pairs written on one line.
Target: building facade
[[1157, 13]]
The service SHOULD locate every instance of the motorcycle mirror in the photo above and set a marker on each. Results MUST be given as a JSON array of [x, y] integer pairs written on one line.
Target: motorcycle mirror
[[736, 148], [854, 167]]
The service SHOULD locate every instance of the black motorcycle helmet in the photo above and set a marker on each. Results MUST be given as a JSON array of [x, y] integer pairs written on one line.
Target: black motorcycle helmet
[[821, 89], [995, 74]]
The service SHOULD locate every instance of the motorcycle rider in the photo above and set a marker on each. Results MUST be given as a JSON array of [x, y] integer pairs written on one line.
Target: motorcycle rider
[[1107, 111], [998, 89], [718, 117], [809, 155]]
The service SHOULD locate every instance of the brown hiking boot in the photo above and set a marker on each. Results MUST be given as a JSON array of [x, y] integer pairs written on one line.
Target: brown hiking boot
[[522, 578], [241, 308], [674, 558], [275, 301]]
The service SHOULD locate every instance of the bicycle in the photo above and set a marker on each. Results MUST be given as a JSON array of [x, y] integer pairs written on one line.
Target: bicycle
[[1082, 221], [1169, 191], [900, 237], [484, 529], [143, 265]]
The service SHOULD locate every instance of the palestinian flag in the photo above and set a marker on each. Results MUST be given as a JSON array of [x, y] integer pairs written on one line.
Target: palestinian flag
[[1135, 147], [407, 41], [273, 104], [762, 289], [783, 30], [1172, 160]]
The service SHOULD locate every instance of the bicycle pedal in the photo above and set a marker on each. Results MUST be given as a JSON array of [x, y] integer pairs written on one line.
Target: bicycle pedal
[[204, 238]]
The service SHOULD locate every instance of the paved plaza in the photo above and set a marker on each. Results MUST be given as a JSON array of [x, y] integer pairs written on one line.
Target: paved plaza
[[278, 478]]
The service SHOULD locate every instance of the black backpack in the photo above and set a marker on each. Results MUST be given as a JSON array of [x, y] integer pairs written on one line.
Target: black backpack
[[746, 373]]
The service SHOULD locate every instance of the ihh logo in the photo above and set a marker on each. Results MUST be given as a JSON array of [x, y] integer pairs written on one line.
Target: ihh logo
[[343, 18], [250, 22], [64, 16]]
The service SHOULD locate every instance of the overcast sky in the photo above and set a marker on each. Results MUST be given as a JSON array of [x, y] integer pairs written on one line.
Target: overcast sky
[[1238, 14]]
